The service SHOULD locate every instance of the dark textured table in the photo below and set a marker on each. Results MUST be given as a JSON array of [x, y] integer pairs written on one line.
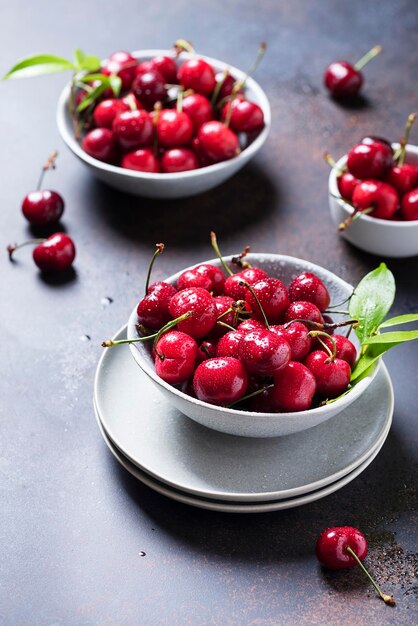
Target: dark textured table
[[82, 542]]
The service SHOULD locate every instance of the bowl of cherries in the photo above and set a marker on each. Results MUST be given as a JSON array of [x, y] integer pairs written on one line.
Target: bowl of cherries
[[182, 124], [373, 195], [245, 345]]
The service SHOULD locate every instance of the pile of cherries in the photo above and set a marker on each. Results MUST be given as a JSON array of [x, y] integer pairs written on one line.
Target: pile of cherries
[[377, 182], [171, 118], [246, 337]]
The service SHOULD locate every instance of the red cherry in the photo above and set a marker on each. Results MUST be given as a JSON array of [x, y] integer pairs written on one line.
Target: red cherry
[[207, 350], [99, 144], [309, 287], [55, 254], [203, 158], [123, 65], [222, 303], [218, 141], [174, 128], [370, 139], [264, 353], [346, 350], [179, 160], [230, 344], [409, 205], [382, 197], [201, 303], [302, 310], [332, 377], [206, 276], [42, 207], [245, 116], [141, 160], [249, 325], [198, 75], [403, 177], [250, 275], [166, 66], [150, 88], [198, 108], [342, 79], [143, 67], [273, 298], [133, 129], [220, 381], [294, 388], [297, 337], [106, 111], [175, 359], [228, 84], [152, 310], [331, 547], [369, 160], [346, 184]]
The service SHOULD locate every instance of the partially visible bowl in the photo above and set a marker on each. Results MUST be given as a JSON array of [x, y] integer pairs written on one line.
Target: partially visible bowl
[[248, 423], [180, 185], [388, 238]]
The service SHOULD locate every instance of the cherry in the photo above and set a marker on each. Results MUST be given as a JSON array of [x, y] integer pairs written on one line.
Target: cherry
[[204, 160], [175, 359], [370, 139], [227, 84], [54, 254], [233, 285], [149, 88], [198, 108], [42, 207], [343, 547], [345, 80], [152, 310], [303, 310], [380, 197], [244, 116], [297, 337], [230, 344], [345, 349], [174, 128], [218, 141], [133, 129], [198, 75], [207, 350], [372, 160], [263, 352], [100, 144], [225, 315], [141, 160], [166, 66], [346, 184], [403, 177], [201, 304], [273, 299], [249, 325], [294, 388], [143, 67], [179, 160], [123, 65], [106, 111], [220, 381], [309, 287], [332, 375], [409, 205], [206, 276]]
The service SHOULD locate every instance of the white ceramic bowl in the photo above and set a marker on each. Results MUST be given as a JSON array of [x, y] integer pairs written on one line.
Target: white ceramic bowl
[[382, 237], [178, 185], [247, 423]]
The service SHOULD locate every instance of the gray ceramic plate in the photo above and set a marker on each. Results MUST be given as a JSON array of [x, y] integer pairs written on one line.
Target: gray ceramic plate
[[177, 451]]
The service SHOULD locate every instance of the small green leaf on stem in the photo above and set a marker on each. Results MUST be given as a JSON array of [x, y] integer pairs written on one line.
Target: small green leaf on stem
[[86, 62], [395, 337], [37, 65], [400, 319]]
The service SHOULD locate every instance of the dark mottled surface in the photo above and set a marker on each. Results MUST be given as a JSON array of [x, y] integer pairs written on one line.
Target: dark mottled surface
[[74, 526]]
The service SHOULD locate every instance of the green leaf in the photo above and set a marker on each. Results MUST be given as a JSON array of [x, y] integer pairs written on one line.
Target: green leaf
[[92, 96], [90, 78], [86, 62], [367, 360], [400, 319], [116, 84], [371, 300], [38, 65], [396, 337]]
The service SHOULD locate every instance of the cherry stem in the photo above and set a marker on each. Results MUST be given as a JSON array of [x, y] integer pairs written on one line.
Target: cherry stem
[[227, 119], [159, 250], [237, 260], [333, 306], [48, 165], [130, 99], [353, 323], [224, 325], [400, 156], [182, 45], [239, 84], [214, 243], [354, 215], [328, 158], [318, 334], [257, 392], [238, 308], [337, 312], [243, 283], [218, 87], [11, 248], [110, 342], [180, 96], [387, 599], [367, 57], [157, 111], [167, 327]]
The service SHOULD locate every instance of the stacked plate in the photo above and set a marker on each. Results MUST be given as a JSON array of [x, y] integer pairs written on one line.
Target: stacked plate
[[187, 462]]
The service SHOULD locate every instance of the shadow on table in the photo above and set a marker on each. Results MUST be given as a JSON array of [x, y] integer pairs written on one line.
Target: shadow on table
[[247, 198]]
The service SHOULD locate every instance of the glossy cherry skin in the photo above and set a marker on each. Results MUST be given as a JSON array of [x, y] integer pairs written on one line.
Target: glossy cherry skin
[[124, 65], [309, 287], [403, 177], [230, 344], [273, 298], [179, 160], [203, 158], [245, 117], [229, 83], [179, 352], [100, 144], [369, 160], [381, 196], [42, 207], [141, 160], [409, 205], [174, 128], [332, 543], [133, 129], [166, 66], [201, 303], [250, 275], [150, 88], [218, 141], [345, 349], [220, 381], [207, 350], [198, 108], [222, 303], [297, 337], [249, 325], [55, 254], [303, 310], [342, 79], [294, 388], [106, 111], [206, 276], [264, 353], [152, 310], [346, 184], [198, 75], [370, 139], [331, 378]]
